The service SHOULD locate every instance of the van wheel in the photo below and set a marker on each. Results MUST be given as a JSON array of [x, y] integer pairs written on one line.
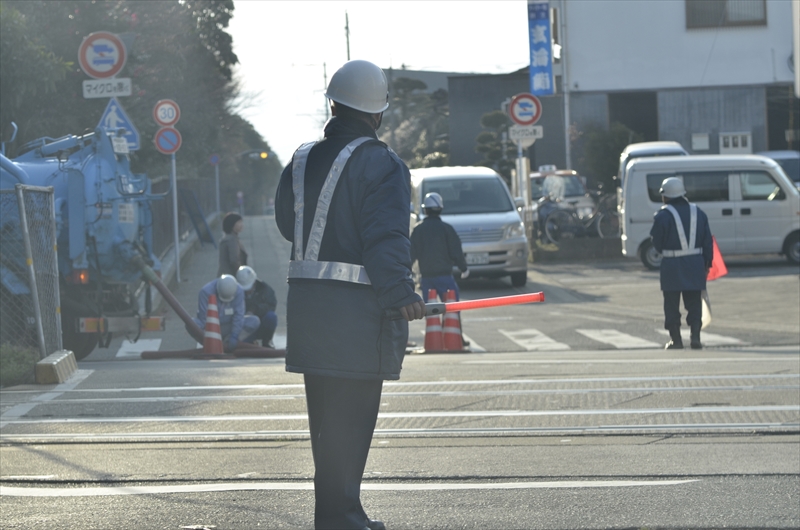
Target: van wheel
[[519, 279], [650, 256], [792, 249]]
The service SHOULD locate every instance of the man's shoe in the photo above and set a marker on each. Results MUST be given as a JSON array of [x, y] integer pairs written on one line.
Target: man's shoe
[[677, 342], [695, 338], [375, 525]]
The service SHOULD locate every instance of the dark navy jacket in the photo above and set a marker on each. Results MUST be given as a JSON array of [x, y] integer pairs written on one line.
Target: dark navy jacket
[[685, 273], [437, 247], [338, 328]]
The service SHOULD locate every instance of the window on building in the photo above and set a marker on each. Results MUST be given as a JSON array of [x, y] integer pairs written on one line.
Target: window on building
[[721, 13]]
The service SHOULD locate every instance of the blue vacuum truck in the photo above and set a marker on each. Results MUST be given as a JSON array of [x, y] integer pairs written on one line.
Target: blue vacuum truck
[[104, 231]]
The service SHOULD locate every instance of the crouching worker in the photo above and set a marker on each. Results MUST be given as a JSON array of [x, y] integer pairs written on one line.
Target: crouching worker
[[234, 325], [259, 300]]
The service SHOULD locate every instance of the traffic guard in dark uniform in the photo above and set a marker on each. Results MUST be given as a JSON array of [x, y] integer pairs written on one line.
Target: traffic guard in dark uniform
[[437, 247], [685, 262], [344, 204]]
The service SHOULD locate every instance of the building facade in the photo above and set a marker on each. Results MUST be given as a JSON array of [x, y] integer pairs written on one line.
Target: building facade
[[715, 75]]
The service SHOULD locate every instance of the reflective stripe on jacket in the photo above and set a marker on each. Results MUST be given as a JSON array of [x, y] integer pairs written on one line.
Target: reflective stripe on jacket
[[336, 325], [687, 271]]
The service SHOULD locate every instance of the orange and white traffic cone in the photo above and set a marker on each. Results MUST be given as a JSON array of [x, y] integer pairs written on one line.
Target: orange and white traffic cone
[[212, 339], [434, 341], [452, 327]]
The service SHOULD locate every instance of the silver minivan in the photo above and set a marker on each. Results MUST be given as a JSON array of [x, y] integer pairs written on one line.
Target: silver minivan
[[751, 204], [478, 205]]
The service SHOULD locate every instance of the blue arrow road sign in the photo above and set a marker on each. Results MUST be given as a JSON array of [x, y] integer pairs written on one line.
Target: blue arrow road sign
[[114, 118]]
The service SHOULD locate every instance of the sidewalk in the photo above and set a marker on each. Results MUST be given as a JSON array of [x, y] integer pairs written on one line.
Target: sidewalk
[[268, 254]]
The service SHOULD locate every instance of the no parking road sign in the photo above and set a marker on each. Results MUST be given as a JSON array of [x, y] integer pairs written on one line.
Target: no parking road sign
[[525, 109], [168, 140]]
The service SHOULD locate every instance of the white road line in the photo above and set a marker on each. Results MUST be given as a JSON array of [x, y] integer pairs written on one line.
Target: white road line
[[11, 491], [134, 349], [617, 339], [414, 415], [474, 431], [22, 409], [485, 319], [673, 360], [389, 384], [533, 340], [708, 339], [474, 347], [279, 340], [439, 393]]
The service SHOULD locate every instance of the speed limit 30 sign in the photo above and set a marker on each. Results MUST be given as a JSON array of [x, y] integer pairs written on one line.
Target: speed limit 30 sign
[[166, 113]]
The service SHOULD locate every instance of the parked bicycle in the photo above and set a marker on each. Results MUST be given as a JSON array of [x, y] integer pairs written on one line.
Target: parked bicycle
[[560, 220]]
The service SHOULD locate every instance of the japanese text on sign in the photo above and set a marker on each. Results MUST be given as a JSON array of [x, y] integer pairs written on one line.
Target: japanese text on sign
[[106, 88], [541, 69]]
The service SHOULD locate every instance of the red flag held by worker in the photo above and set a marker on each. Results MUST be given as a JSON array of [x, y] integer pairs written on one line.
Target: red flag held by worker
[[718, 268]]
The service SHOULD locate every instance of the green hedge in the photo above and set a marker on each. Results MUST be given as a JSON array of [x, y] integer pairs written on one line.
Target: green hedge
[[17, 365]]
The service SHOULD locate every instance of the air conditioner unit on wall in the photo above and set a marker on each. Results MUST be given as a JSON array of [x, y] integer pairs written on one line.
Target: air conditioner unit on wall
[[735, 143]]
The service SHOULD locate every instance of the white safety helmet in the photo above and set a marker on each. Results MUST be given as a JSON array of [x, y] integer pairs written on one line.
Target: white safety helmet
[[226, 288], [433, 201], [360, 85], [672, 188], [246, 277]]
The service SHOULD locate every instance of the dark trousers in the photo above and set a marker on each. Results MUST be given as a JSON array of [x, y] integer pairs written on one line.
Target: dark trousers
[[672, 312], [341, 416]]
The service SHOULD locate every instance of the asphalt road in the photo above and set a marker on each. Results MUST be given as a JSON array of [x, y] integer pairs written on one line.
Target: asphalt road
[[547, 427]]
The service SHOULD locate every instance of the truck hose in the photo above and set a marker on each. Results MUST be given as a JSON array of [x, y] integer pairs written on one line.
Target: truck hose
[[150, 275]]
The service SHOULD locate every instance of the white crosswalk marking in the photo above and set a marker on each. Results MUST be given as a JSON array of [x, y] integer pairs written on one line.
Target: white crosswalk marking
[[533, 340], [708, 339], [617, 339], [135, 349]]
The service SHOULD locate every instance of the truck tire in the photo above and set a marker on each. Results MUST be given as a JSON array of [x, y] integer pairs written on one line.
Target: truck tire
[[792, 248], [81, 344], [650, 256]]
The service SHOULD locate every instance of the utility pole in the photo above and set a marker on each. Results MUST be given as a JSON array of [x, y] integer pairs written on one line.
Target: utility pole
[[565, 83], [324, 88], [347, 33]]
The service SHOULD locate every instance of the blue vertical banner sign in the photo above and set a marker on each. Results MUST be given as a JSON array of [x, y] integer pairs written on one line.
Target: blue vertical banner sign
[[541, 70]]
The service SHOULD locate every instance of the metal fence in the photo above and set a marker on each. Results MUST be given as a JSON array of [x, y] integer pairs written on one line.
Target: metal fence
[[30, 314], [204, 190]]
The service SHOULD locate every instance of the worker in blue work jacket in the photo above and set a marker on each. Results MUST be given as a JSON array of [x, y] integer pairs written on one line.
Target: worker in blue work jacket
[[681, 234], [343, 203], [437, 247], [234, 325], [259, 300]]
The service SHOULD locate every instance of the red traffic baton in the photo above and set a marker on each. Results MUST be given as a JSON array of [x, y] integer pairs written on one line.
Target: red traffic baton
[[438, 308]]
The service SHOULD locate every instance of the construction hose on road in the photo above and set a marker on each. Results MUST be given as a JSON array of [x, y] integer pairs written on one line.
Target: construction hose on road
[[150, 275]]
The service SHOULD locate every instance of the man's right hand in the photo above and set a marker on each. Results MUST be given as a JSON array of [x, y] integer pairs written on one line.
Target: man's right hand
[[413, 311]]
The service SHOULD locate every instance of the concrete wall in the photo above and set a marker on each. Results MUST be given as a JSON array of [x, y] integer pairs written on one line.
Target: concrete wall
[[639, 45]]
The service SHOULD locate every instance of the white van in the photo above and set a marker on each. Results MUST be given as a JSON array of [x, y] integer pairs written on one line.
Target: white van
[[643, 150], [478, 205], [752, 206]]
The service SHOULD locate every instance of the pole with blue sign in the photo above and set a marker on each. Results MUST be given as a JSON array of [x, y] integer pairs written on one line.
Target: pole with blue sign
[[541, 69]]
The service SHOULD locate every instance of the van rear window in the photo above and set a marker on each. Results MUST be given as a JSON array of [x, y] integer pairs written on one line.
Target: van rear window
[[701, 186]]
